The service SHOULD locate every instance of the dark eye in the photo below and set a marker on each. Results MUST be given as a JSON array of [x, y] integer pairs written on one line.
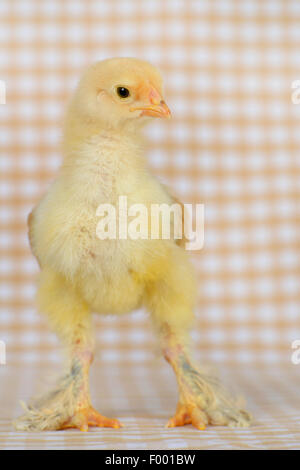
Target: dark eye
[[123, 92]]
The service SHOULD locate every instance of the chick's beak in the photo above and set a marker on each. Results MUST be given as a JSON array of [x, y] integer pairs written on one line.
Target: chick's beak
[[156, 108]]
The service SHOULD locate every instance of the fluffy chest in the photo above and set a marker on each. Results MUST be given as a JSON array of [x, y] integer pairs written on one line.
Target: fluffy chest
[[106, 168], [100, 173], [103, 172]]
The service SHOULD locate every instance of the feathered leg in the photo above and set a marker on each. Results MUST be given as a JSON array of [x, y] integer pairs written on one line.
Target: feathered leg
[[68, 405], [202, 398]]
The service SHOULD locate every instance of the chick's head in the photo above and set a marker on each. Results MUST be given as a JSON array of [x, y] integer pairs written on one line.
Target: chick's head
[[121, 91]]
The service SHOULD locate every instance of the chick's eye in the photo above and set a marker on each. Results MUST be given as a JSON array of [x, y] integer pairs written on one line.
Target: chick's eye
[[123, 92]]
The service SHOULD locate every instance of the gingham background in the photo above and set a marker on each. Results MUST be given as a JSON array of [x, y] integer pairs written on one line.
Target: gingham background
[[233, 144]]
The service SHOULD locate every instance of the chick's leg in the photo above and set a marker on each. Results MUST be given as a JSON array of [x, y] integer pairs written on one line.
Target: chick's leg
[[68, 405], [202, 398]]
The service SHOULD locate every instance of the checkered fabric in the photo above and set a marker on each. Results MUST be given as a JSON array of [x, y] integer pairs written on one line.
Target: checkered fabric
[[144, 397], [233, 144]]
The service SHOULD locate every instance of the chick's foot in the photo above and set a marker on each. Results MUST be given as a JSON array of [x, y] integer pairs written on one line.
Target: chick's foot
[[85, 417], [203, 400], [67, 406]]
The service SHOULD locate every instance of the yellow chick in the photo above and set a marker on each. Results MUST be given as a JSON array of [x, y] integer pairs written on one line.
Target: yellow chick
[[82, 273]]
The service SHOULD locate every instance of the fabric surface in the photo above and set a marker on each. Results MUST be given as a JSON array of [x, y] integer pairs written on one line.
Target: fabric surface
[[233, 144], [144, 397]]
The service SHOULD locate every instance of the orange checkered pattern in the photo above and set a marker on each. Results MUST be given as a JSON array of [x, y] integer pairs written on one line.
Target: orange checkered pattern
[[233, 144]]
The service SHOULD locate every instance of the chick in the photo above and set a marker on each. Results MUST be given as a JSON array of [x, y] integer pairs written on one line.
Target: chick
[[104, 159]]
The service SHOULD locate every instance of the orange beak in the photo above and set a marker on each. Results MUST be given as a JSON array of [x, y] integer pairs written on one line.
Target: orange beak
[[157, 107]]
